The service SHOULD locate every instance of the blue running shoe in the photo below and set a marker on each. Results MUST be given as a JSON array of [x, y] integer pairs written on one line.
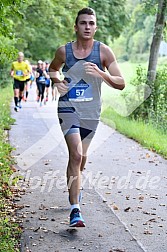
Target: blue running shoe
[[20, 106], [76, 219]]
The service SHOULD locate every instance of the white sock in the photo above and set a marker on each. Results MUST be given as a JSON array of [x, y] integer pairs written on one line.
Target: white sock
[[75, 206]]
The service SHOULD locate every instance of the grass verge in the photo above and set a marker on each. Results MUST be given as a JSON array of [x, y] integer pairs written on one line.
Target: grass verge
[[9, 229], [143, 133]]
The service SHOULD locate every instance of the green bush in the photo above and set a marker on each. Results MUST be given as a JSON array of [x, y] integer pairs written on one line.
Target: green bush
[[9, 230], [154, 108]]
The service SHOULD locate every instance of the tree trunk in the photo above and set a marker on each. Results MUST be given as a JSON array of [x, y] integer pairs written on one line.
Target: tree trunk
[[153, 59], [157, 37]]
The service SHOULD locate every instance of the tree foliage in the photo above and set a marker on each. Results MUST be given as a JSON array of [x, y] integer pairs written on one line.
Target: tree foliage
[[111, 18], [137, 35], [46, 25], [39, 27], [36, 27], [8, 8]]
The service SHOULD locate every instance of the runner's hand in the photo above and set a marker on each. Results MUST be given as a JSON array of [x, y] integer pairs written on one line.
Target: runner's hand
[[92, 69], [62, 87]]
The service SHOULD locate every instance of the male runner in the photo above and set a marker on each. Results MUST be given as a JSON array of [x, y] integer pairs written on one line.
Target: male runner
[[19, 71], [85, 61]]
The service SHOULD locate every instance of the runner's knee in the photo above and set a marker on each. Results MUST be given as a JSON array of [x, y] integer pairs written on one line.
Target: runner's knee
[[75, 158]]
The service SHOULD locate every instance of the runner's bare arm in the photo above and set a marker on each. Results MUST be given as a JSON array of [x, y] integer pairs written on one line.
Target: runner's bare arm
[[46, 75], [56, 64], [54, 69], [12, 71], [113, 77]]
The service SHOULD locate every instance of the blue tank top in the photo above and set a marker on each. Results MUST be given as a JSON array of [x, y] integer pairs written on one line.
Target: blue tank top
[[84, 95], [93, 57]]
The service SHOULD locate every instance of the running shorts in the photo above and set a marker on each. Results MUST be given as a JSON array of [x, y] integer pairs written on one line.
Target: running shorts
[[71, 123], [19, 84]]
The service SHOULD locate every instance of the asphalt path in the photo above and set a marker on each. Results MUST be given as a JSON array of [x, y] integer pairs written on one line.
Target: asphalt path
[[124, 201]]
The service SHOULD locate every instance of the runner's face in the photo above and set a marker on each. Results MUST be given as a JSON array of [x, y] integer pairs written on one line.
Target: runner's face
[[86, 26], [39, 65], [20, 58], [43, 66]]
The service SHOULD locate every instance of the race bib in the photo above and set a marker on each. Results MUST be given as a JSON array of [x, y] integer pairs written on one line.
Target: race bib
[[42, 79], [19, 73], [80, 92]]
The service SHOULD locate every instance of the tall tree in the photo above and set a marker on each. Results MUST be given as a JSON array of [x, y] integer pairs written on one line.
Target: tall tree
[[153, 58], [157, 37]]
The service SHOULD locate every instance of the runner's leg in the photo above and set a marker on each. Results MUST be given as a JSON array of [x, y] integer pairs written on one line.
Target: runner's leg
[[43, 91], [73, 169], [21, 92], [16, 94]]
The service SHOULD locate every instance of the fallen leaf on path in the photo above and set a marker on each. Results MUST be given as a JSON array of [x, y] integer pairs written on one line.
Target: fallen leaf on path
[[127, 209], [152, 220], [43, 218], [141, 198], [147, 155], [24, 216], [145, 212], [33, 212], [115, 207], [54, 207], [42, 207], [117, 250], [27, 206], [147, 232], [154, 197], [36, 229], [85, 244], [56, 232]]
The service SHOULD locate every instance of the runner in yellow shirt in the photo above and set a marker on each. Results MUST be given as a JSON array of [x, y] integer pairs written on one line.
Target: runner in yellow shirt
[[19, 71]]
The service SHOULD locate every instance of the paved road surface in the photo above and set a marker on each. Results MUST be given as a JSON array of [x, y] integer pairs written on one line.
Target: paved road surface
[[125, 189]]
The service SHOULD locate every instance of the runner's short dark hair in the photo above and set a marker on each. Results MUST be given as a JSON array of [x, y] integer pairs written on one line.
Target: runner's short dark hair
[[86, 10]]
